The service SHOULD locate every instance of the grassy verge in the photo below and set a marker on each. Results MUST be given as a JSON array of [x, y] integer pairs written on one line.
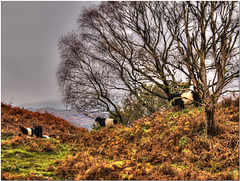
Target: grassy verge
[[32, 156]]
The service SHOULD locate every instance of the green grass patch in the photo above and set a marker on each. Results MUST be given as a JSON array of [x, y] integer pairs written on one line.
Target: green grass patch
[[179, 166], [170, 123], [144, 158], [145, 130], [185, 110], [201, 109], [174, 128], [183, 141], [6, 136], [173, 114], [18, 160]]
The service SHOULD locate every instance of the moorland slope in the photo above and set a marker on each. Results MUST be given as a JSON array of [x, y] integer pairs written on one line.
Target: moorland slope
[[166, 146]]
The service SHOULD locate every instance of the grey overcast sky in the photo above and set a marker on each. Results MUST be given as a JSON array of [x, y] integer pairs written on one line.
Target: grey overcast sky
[[29, 54]]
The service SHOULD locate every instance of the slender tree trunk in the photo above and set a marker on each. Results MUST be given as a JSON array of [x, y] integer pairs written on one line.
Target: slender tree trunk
[[210, 119]]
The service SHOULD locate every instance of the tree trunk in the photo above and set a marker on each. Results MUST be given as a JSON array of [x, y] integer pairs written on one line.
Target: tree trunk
[[210, 121]]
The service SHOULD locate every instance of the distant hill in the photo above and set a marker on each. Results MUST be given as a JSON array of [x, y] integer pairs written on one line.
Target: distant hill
[[57, 104], [56, 108], [73, 117]]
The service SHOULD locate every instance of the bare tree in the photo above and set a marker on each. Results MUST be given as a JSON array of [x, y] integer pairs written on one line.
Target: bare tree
[[206, 34], [84, 81], [122, 49], [128, 41], [129, 35]]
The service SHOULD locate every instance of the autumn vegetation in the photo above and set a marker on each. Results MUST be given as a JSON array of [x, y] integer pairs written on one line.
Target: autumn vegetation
[[168, 145]]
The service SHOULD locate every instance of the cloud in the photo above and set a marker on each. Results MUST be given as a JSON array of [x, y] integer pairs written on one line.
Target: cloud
[[30, 33]]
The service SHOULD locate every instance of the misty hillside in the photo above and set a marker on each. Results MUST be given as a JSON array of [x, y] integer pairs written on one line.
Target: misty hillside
[[75, 118], [166, 146], [59, 110], [56, 104]]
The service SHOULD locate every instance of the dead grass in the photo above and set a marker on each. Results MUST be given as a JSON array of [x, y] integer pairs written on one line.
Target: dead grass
[[165, 146]]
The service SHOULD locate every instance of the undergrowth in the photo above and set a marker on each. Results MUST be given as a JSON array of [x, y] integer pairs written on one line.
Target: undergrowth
[[165, 146]]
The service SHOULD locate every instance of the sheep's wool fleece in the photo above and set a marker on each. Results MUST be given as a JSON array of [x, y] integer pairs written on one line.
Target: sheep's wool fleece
[[187, 97], [109, 122]]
